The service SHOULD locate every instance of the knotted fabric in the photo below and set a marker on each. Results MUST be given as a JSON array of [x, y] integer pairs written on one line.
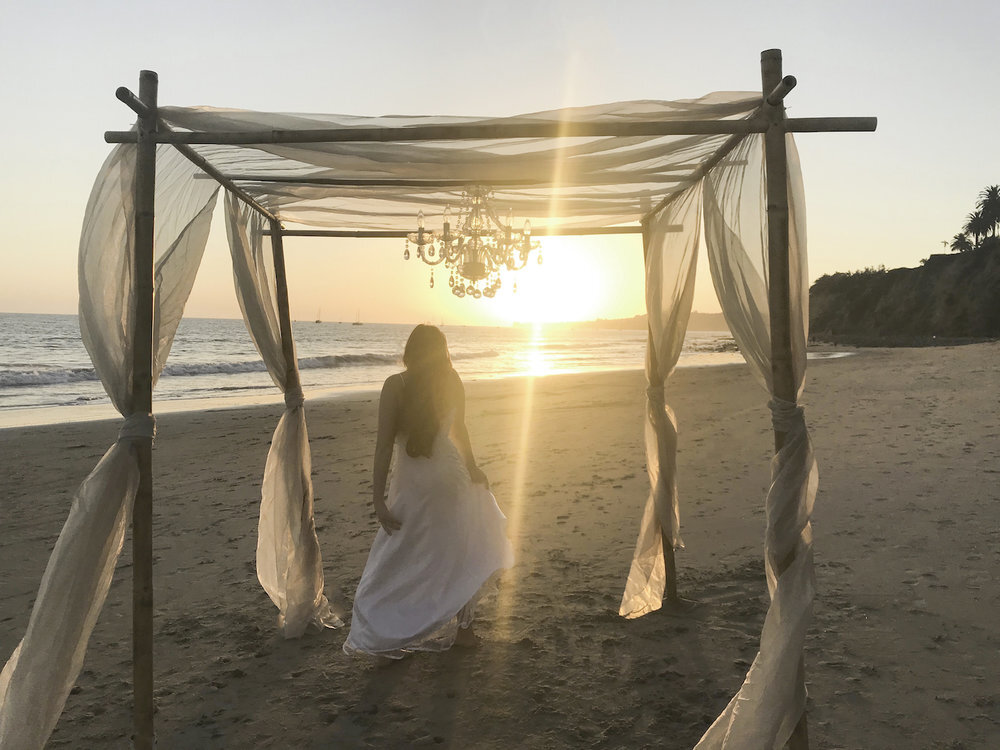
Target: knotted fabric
[[294, 398], [138, 426], [786, 416]]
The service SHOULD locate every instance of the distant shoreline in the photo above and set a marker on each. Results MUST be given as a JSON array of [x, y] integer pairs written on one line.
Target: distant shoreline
[[860, 341], [707, 322]]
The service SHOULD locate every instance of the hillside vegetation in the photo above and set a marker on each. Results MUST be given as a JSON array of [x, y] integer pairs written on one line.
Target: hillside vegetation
[[947, 297]]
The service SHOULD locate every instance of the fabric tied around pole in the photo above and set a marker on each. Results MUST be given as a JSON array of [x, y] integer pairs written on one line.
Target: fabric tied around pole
[[289, 563], [656, 397], [769, 704], [39, 675], [671, 260], [294, 398], [138, 426], [786, 416], [767, 707]]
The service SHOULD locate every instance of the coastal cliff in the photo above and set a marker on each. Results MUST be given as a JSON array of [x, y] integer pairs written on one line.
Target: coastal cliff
[[951, 297]]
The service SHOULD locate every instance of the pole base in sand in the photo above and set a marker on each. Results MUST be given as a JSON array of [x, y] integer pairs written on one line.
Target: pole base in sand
[[679, 607]]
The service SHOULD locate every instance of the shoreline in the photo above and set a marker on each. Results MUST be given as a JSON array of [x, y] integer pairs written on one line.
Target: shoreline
[[38, 416]]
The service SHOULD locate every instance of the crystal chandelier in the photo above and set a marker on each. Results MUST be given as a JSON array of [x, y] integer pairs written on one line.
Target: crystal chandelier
[[477, 248]]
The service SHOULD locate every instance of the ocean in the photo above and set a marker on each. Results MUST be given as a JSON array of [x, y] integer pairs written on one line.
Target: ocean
[[46, 375]]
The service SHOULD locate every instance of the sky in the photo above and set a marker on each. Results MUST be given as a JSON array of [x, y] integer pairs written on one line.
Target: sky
[[927, 70]]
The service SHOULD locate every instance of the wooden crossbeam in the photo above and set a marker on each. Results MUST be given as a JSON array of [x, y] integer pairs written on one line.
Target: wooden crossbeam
[[494, 131], [502, 131], [400, 234], [665, 176]]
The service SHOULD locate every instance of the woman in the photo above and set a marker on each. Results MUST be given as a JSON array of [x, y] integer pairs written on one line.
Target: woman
[[442, 535]]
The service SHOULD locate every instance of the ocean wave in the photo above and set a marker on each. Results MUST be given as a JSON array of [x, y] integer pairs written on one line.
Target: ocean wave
[[472, 355], [214, 368], [331, 361], [27, 377], [716, 347], [30, 377]]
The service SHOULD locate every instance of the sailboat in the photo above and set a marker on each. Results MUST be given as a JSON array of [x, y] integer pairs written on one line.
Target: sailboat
[[357, 320], [318, 318]]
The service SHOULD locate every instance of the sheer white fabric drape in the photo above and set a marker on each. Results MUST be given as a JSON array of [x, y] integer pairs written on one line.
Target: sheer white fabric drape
[[37, 679], [767, 707], [671, 259], [601, 181], [289, 564]]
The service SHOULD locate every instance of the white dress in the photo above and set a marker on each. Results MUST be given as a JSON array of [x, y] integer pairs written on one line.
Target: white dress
[[421, 583]]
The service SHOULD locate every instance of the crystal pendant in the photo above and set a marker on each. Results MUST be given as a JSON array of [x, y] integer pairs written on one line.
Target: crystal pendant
[[539, 257], [432, 278], [406, 253]]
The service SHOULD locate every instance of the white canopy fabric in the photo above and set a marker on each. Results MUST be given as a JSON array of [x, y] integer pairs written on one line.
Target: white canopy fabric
[[557, 182], [579, 182]]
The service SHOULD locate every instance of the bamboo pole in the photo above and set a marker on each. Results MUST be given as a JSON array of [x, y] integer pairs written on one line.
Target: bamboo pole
[[724, 150], [401, 233], [669, 559], [197, 159], [482, 131], [779, 296], [778, 94], [142, 389], [667, 175], [831, 124], [502, 131], [284, 317]]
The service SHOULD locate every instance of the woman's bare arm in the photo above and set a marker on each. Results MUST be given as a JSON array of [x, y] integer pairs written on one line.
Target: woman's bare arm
[[388, 422], [461, 435]]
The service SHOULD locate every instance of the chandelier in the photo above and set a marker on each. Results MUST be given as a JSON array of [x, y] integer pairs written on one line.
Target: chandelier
[[476, 248]]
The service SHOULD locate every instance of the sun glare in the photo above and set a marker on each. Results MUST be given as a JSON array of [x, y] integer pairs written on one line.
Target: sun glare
[[566, 286]]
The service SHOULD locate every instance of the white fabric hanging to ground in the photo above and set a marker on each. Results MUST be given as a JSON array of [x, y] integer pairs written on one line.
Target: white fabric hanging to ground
[[765, 711], [671, 259], [38, 677], [289, 563]]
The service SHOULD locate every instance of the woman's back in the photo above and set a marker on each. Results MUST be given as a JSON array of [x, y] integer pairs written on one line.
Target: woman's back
[[430, 397]]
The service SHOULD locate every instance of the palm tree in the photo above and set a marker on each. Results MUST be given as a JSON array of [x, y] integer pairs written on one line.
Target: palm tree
[[977, 225], [960, 243], [989, 207]]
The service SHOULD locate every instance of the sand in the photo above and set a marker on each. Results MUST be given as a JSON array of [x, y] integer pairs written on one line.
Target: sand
[[902, 652]]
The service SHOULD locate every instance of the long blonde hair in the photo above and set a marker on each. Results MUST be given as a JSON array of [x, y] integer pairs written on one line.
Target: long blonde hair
[[425, 388]]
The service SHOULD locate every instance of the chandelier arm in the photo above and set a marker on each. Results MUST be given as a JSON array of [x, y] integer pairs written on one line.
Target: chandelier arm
[[524, 263], [495, 220], [428, 261]]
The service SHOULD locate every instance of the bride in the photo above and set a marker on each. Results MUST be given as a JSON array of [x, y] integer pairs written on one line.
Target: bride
[[442, 535]]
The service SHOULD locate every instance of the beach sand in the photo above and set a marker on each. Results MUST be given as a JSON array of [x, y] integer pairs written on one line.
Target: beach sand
[[903, 650]]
